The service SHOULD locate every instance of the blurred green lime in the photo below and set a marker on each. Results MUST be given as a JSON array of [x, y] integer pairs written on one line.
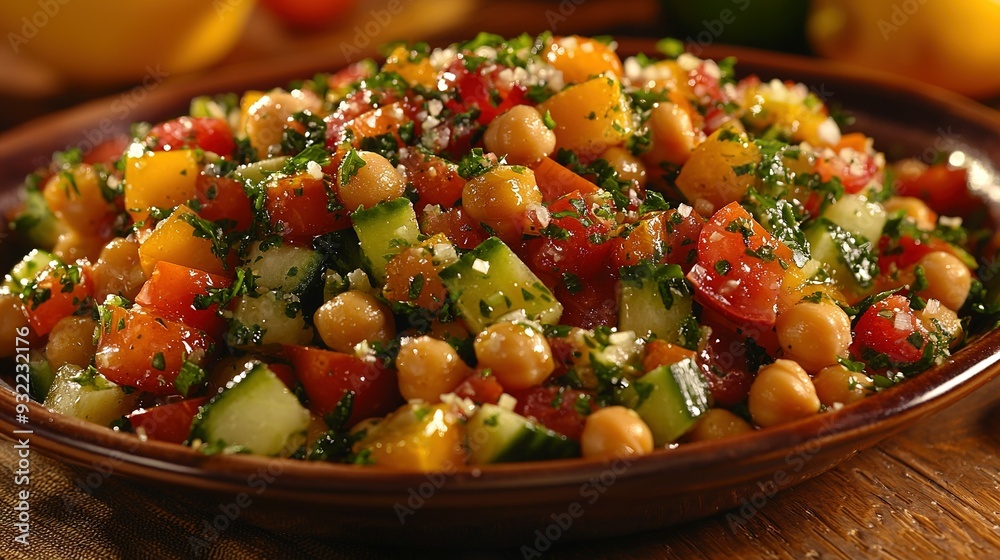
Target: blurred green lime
[[771, 24]]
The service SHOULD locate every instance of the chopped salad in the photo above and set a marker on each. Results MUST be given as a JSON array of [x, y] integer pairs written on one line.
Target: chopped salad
[[503, 250]]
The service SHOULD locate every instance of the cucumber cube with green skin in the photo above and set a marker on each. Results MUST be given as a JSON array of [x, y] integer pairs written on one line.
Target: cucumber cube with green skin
[[670, 399], [88, 395], [268, 319], [290, 269], [40, 377], [496, 435], [256, 412], [857, 215], [654, 300], [28, 268], [384, 230], [490, 282]]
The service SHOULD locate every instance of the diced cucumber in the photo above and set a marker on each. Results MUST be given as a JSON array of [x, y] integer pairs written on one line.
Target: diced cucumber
[[25, 271], [846, 257], [502, 436], [857, 215], [255, 412], [384, 230], [670, 399], [270, 318], [654, 300], [490, 281], [260, 170], [40, 377], [288, 268], [88, 395], [36, 221]]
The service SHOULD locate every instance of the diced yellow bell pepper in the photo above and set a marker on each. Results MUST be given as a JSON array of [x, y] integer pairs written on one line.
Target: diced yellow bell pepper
[[590, 117], [247, 101], [415, 73], [420, 437], [159, 180], [174, 241]]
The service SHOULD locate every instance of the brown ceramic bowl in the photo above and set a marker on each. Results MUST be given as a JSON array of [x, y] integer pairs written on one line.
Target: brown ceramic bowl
[[532, 504]]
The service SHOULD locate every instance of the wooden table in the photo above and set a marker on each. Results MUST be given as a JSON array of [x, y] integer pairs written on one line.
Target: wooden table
[[928, 492]]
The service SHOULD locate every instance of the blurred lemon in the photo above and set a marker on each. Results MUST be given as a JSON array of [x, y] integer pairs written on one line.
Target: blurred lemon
[[952, 44], [100, 42]]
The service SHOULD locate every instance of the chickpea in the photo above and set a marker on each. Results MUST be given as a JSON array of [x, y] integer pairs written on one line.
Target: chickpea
[[75, 197], [72, 246], [266, 118], [674, 133], [519, 355], [629, 167], [782, 392], [377, 181], [936, 315], [500, 197], [118, 271], [718, 423], [521, 135], [837, 384], [948, 279], [71, 341], [428, 368], [353, 317], [814, 334], [615, 432], [914, 209], [12, 321]]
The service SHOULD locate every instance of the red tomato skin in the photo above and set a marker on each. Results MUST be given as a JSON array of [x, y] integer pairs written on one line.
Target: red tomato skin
[[224, 199], [560, 414], [209, 134], [436, 180], [327, 375], [747, 292], [167, 422], [60, 302], [480, 388], [130, 340], [943, 188], [297, 205], [578, 254], [723, 361], [854, 177], [457, 226], [171, 290], [107, 152], [592, 306], [878, 329]]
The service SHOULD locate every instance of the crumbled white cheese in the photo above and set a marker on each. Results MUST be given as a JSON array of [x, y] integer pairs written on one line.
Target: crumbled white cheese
[[684, 210], [481, 266], [507, 402], [314, 170]]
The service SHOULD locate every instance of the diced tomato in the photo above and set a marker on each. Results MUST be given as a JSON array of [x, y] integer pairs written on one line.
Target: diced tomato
[[556, 180], [436, 180], [561, 409], [578, 243], [167, 422], [285, 373], [662, 353], [890, 327], [350, 74], [480, 388], [723, 361], [387, 119], [594, 304], [855, 169], [327, 376], [173, 291], [300, 206], [664, 237], [107, 152], [224, 199], [60, 291], [457, 226], [142, 349], [351, 107], [943, 188], [209, 134], [898, 254], [739, 268]]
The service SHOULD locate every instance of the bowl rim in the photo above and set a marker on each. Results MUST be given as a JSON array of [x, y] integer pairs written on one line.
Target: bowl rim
[[86, 444]]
